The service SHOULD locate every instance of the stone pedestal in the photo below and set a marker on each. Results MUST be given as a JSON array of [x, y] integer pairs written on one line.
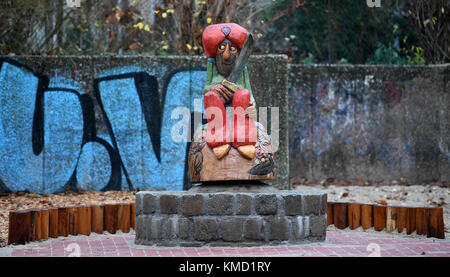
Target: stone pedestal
[[240, 216]]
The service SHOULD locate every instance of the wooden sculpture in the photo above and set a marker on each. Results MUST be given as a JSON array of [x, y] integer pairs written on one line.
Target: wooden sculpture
[[232, 145]]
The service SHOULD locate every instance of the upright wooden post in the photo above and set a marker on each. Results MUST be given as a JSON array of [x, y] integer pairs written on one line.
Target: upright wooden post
[[391, 219], [19, 231], [421, 222], [366, 216], [411, 220], [123, 218], [63, 222], [97, 219], [340, 215], [379, 217], [402, 214], [74, 220], [84, 224], [53, 223], [354, 216], [435, 223], [36, 222], [329, 213], [44, 224], [110, 217], [133, 216]]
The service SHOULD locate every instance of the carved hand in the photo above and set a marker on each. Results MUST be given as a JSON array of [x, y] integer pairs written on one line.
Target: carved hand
[[251, 111], [223, 92]]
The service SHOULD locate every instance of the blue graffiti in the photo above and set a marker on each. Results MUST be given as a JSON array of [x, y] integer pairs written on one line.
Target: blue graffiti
[[49, 141]]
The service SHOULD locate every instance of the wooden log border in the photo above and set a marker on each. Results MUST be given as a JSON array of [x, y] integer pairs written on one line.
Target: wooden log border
[[427, 221], [41, 224]]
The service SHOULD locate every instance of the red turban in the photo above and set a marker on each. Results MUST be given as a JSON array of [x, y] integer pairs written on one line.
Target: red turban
[[213, 35]]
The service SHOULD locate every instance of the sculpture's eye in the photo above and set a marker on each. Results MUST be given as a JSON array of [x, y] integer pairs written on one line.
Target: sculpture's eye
[[222, 47], [233, 48]]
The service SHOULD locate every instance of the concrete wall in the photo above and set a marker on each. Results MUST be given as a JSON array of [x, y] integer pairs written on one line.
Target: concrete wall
[[370, 123], [92, 123]]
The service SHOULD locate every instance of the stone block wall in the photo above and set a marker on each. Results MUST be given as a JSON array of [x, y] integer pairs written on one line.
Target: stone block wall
[[223, 218]]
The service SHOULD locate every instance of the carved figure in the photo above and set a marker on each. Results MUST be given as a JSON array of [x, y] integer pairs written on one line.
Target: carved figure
[[232, 145]]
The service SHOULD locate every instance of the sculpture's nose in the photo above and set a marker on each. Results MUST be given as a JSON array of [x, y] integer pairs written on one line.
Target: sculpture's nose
[[226, 53]]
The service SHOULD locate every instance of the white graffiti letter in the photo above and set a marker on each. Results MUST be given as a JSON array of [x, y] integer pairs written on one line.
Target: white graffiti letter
[[184, 125]]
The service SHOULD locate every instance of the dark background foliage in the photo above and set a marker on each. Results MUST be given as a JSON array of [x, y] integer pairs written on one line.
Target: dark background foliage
[[308, 31]]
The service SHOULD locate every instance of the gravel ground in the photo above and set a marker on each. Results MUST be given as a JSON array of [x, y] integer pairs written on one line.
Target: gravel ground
[[392, 195], [427, 196], [24, 201]]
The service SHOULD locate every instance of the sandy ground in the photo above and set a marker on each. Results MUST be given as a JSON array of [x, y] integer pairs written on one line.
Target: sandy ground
[[427, 196]]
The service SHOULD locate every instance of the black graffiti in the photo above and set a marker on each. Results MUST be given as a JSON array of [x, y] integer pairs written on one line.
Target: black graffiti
[[147, 88]]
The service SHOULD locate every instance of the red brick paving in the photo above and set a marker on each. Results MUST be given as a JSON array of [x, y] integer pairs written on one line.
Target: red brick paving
[[337, 244]]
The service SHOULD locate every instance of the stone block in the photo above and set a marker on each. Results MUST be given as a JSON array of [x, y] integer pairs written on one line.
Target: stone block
[[323, 201], [278, 228], [232, 229], [244, 204], [292, 204], [138, 206], [183, 231], [205, 228], [300, 225], [148, 227], [220, 204], [172, 227], [155, 230], [318, 225], [168, 203], [148, 206], [254, 228], [193, 204], [140, 228], [266, 204], [312, 204]]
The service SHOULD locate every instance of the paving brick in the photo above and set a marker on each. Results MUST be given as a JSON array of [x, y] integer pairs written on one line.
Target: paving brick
[[205, 228], [266, 204], [168, 203], [232, 229], [220, 204], [193, 204]]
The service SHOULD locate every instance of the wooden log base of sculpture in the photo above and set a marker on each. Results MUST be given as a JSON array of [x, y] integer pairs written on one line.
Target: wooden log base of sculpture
[[246, 162]]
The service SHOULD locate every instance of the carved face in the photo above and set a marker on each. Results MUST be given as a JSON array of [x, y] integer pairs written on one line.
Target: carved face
[[226, 56]]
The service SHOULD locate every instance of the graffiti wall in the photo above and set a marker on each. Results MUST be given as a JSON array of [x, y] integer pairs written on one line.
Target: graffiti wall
[[97, 123], [369, 123]]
